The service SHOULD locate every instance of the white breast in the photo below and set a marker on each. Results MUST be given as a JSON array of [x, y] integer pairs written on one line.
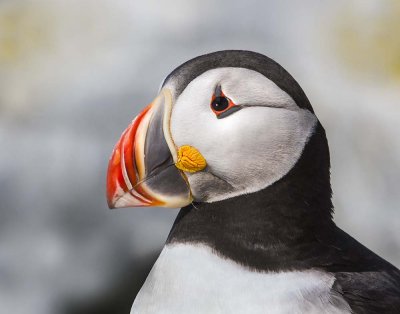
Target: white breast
[[192, 279]]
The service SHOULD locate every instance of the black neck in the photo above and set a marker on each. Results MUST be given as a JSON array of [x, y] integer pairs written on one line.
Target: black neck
[[275, 228]]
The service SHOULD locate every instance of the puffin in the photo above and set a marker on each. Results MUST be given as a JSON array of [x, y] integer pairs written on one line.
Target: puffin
[[232, 140]]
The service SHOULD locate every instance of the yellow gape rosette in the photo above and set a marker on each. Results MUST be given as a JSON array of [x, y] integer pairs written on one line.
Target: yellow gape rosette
[[190, 159]]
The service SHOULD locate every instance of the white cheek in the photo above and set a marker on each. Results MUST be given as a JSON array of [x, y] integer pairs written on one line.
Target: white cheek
[[250, 149], [265, 146]]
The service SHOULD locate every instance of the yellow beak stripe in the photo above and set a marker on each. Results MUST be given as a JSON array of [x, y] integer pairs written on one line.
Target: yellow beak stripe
[[190, 159]]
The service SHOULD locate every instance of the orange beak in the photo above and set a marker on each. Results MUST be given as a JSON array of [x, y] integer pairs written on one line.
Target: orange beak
[[141, 170]]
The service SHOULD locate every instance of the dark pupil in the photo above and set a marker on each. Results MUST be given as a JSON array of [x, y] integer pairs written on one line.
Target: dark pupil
[[220, 103]]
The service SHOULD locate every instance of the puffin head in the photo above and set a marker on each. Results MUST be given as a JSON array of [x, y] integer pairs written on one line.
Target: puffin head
[[224, 124]]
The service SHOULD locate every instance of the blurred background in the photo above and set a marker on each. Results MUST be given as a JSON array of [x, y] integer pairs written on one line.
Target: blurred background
[[73, 73]]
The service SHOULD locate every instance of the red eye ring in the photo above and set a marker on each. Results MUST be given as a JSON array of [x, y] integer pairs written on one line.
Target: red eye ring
[[220, 104]]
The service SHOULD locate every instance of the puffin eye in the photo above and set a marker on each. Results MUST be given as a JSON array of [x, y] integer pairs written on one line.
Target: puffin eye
[[222, 106], [219, 104]]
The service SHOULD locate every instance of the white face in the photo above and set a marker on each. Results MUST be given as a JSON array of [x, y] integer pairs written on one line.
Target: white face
[[247, 150]]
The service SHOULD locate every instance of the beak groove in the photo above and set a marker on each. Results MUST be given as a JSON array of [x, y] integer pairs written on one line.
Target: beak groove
[[122, 175], [139, 172]]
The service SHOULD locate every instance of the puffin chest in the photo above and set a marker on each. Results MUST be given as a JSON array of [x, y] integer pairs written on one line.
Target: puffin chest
[[190, 279]]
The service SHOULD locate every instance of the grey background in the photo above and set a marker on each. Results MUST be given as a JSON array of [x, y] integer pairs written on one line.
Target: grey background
[[73, 73]]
